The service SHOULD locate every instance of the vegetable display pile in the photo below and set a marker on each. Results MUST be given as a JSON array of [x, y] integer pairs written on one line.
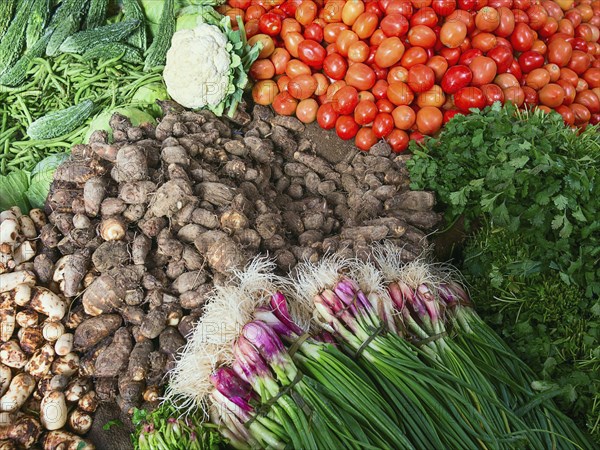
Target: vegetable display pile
[[534, 186], [43, 399], [400, 69], [373, 353], [147, 225]]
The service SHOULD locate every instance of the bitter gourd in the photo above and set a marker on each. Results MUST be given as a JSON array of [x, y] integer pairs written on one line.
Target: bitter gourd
[[59, 123], [112, 50], [83, 40], [157, 53]]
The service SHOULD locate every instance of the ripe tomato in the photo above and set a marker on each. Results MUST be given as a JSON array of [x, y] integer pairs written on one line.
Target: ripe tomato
[[264, 92], [365, 138], [433, 97], [314, 32], [538, 16], [345, 100], [503, 57], [383, 124], [567, 114], [421, 36], [404, 117], [394, 25], [469, 97], [530, 60], [552, 95], [284, 104], [306, 12], [589, 99], [365, 25], [361, 76], [522, 38], [453, 33], [332, 31], [530, 96], [484, 70], [580, 62], [302, 86], [449, 114], [559, 52], [469, 55], [296, 67], [420, 78], [456, 78], [345, 127], [280, 58], [307, 109], [429, 120], [397, 73], [487, 19], [400, 94], [311, 53], [537, 79], [439, 65], [484, 42], [358, 52], [389, 52], [507, 22], [365, 112], [335, 66], [262, 69], [384, 105], [424, 16], [492, 93], [581, 114], [326, 116], [514, 95], [443, 8], [452, 55], [379, 89], [412, 56], [398, 140], [270, 24]]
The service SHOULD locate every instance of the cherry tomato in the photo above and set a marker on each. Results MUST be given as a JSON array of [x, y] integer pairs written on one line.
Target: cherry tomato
[[345, 127], [522, 38], [270, 24], [394, 25], [456, 78], [492, 93], [420, 78], [559, 52], [284, 104], [389, 52], [484, 70], [552, 95], [326, 116], [314, 32], [307, 109], [264, 92], [429, 120], [453, 33], [530, 60], [335, 66], [360, 76], [502, 56], [404, 117], [421, 36], [400, 94], [365, 138], [365, 112], [383, 124], [469, 97], [365, 25], [398, 140], [345, 100]]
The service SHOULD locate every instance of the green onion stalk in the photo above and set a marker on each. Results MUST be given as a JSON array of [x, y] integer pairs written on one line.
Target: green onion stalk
[[422, 313], [512, 378], [435, 413], [347, 385]]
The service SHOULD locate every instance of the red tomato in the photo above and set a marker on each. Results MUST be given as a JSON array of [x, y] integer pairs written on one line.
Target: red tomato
[[311, 53], [452, 55], [345, 100], [515, 95], [502, 56], [326, 116], [345, 40], [307, 109], [262, 69], [412, 56], [552, 95], [302, 86], [468, 56], [270, 24], [365, 25], [345, 127], [424, 16], [530, 60], [383, 124], [567, 114], [522, 38], [530, 96], [365, 112], [487, 19], [296, 67], [420, 78], [417, 137], [313, 32], [377, 37], [400, 94], [398, 140], [306, 12], [284, 104], [397, 73], [448, 115], [456, 78], [580, 62], [559, 52], [361, 76], [379, 90], [289, 8], [484, 42], [443, 8], [469, 97], [332, 31], [421, 36], [453, 33], [590, 100], [254, 12], [515, 70], [537, 16], [403, 7], [404, 117], [264, 92], [394, 25], [384, 105], [374, 8], [429, 120], [335, 66], [358, 52], [389, 52], [492, 93], [439, 65], [507, 22], [365, 139], [484, 70], [537, 79], [581, 114], [241, 4]]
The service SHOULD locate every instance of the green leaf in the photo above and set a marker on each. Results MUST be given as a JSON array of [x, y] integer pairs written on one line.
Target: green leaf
[[521, 161], [566, 230], [13, 188], [557, 222], [561, 202], [112, 423]]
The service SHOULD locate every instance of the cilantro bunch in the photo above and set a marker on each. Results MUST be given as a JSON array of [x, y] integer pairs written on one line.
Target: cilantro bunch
[[528, 174]]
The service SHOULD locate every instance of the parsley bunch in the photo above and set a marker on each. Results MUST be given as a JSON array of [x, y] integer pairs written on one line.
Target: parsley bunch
[[527, 173]]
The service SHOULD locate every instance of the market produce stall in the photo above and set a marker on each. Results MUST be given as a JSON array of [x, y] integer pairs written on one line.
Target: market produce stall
[[216, 224]]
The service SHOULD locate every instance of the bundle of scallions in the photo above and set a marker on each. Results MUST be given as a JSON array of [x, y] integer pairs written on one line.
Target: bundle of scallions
[[361, 355]]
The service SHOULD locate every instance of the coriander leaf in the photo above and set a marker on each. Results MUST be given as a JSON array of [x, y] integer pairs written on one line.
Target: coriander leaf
[[561, 202]]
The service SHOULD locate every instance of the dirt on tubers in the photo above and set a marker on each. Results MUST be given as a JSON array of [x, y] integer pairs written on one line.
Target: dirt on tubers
[[139, 231]]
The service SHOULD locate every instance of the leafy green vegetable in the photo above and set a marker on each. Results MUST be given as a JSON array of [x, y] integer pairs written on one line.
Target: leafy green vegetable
[[531, 175], [148, 95], [41, 178], [13, 187], [101, 122]]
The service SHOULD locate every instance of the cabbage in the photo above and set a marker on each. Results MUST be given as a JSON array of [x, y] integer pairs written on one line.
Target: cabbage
[[153, 9], [148, 94], [13, 187], [101, 122], [41, 178]]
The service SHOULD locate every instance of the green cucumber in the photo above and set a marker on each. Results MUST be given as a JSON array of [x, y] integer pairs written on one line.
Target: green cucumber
[[133, 10], [114, 32], [112, 50], [59, 123], [157, 53]]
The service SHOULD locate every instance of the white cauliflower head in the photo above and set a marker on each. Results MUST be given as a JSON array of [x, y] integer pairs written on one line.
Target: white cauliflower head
[[198, 66]]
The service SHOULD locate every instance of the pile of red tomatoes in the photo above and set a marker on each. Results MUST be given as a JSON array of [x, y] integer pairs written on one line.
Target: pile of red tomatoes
[[399, 69]]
